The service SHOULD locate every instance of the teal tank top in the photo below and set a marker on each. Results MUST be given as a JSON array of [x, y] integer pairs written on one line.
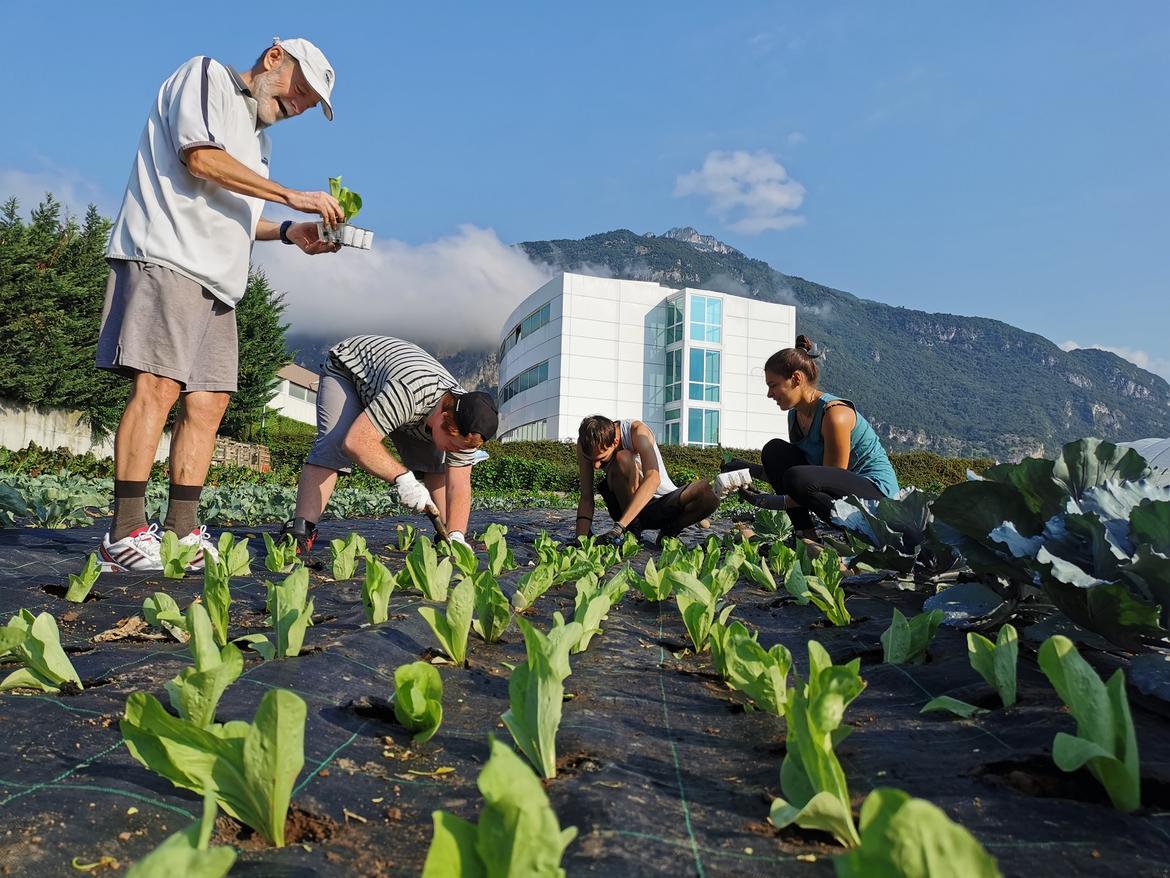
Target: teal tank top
[[866, 456]]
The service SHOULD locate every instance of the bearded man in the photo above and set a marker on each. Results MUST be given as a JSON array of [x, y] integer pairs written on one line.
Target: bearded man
[[179, 254]]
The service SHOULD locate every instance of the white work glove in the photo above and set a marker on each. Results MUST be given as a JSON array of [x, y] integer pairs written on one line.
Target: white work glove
[[456, 536], [725, 483], [412, 493]]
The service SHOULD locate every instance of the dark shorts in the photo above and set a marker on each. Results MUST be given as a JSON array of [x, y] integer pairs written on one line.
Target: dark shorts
[[661, 513]]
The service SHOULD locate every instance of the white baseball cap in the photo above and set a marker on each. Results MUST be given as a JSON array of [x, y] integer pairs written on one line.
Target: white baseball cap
[[315, 67]]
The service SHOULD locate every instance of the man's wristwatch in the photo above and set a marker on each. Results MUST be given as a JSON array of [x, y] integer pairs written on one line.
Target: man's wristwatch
[[284, 231]]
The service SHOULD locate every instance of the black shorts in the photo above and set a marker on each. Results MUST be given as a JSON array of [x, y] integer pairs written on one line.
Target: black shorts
[[661, 513]]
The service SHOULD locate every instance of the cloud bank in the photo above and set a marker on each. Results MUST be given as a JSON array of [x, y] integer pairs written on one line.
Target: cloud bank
[[748, 192]]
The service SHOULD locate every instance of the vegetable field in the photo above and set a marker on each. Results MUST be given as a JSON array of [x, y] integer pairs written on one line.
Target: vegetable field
[[642, 708]]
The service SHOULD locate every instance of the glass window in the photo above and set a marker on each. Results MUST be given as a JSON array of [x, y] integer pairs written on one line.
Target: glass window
[[312, 397], [526, 380], [706, 319], [530, 432], [674, 321], [673, 389], [703, 426], [703, 375], [528, 325], [671, 436]]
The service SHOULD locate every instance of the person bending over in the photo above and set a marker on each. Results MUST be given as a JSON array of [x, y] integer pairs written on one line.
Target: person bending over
[[374, 386], [832, 451], [636, 488]]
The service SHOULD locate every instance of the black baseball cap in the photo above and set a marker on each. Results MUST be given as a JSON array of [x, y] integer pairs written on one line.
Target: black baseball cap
[[476, 412]]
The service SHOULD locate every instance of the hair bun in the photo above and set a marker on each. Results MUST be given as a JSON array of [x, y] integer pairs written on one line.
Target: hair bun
[[804, 343]]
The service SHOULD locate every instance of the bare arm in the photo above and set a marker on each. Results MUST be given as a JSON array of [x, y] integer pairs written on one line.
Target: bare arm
[[304, 235], [585, 504], [651, 477], [836, 425], [458, 497], [219, 167], [363, 445]]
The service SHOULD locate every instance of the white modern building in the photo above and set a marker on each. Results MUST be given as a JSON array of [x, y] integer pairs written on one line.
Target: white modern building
[[296, 394], [687, 362]]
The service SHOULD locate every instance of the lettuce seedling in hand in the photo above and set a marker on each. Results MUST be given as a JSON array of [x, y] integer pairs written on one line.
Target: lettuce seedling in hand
[[452, 627], [1105, 740], [196, 691], [418, 699], [81, 583], [350, 201], [518, 832], [536, 691], [905, 642]]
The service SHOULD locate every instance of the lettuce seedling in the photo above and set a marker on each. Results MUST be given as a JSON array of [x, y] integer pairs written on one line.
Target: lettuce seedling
[[824, 589], [350, 201], [905, 642], [290, 612], [462, 556], [759, 573], [345, 555], [653, 583], [249, 767], [796, 582], [699, 606], [493, 612], [196, 691], [1105, 739], [81, 583], [418, 699], [817, 794], [376, 590], [536, 691], [425, 572], [175, 556], [35, 641], [500, 557], [532, 585], [760, 674], [593, 602], [452, 627], [996, 662], [188, 852], [407, 534], [911, 838], [217, 597], [234, 555], [630, 546], [518, 832], [280, 557], [161, 611], [548, 550]]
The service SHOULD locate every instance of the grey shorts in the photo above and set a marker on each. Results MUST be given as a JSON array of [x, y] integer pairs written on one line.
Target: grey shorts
[[157, 321], [338, 405]]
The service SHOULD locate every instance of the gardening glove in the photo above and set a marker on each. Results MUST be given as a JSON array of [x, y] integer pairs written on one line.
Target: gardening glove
[[412, 493], [456, 536], [614, 536], [725, 483]]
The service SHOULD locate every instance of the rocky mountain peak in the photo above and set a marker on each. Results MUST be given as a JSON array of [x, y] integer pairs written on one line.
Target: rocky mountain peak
[[705, 243]]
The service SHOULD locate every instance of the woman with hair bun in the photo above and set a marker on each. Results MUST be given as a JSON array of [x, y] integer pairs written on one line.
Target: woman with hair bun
[[832, 451]]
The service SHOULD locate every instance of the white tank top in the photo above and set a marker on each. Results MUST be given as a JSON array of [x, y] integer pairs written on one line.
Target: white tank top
[[665, 485]]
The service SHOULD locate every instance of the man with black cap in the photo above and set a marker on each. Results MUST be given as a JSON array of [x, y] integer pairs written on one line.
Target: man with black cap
[[374, 386]]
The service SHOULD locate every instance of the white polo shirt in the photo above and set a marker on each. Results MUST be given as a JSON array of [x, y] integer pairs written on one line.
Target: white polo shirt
[[176, 220]]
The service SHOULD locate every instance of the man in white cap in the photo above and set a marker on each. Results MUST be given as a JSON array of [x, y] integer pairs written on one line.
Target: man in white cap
[[179, 254]]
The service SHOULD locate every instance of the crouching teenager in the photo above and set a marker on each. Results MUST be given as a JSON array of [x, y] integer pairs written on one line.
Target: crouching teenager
[[372, 387], [637, 490]]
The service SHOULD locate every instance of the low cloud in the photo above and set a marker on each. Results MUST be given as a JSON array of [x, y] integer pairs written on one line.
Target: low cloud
[[65, 185], [448, 294], [748, 192], [1150, 362]]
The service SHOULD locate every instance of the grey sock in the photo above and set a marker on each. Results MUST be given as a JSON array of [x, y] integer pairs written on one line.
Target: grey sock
[[129, 509], [183, 509]]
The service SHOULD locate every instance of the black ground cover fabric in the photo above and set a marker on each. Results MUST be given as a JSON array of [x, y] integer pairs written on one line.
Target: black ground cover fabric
[[662, 769]]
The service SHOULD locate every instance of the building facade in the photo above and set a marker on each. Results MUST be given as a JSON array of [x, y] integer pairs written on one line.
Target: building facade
[[296, 394], [687, 362]]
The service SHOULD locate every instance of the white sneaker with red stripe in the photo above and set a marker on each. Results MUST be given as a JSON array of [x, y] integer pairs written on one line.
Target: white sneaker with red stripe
[[136, 553], [201, 538]]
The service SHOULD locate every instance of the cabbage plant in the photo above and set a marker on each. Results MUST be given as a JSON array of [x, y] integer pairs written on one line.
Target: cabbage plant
[[895, 533]]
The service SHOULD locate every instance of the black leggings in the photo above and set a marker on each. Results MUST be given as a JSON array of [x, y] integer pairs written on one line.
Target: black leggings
[[813, 487]]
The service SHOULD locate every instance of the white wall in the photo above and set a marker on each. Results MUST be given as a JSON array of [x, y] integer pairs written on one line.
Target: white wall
[[56, 428], [291, 407]]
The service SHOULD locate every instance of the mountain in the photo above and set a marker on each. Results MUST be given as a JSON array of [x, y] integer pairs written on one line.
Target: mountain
[[964, 386]]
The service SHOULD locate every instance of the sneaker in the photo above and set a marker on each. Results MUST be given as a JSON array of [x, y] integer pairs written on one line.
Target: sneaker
[[201, 538], [138, 552], [303, 535], [727, 482]]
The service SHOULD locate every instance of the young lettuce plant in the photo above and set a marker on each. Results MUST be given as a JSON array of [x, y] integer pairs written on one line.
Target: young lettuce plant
[[188, 852], [654, 584], [425, 572], [462, 556], [911, 838], [196, 691], [175, 556], [493, 612], [217, 596], [418, 699], [536, 691], [81, 583], [451, 627], [995, 663], [699, 605], [161, 611], [760, 674], [905, 642], [518, 832], [1105, 739], [824, 588], [291, 613], [345, 554], [249, 767], [280, 557], [407, 534], [594, 601], [234, 555], [35, 641], [377, 587], [500, 557], [811, 778], [533, 584]]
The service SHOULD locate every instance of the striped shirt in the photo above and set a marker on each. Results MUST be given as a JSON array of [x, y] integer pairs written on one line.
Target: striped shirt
[[399, 384]]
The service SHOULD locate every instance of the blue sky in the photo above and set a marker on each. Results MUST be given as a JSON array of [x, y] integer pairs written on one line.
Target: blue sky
[[970, 158]]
